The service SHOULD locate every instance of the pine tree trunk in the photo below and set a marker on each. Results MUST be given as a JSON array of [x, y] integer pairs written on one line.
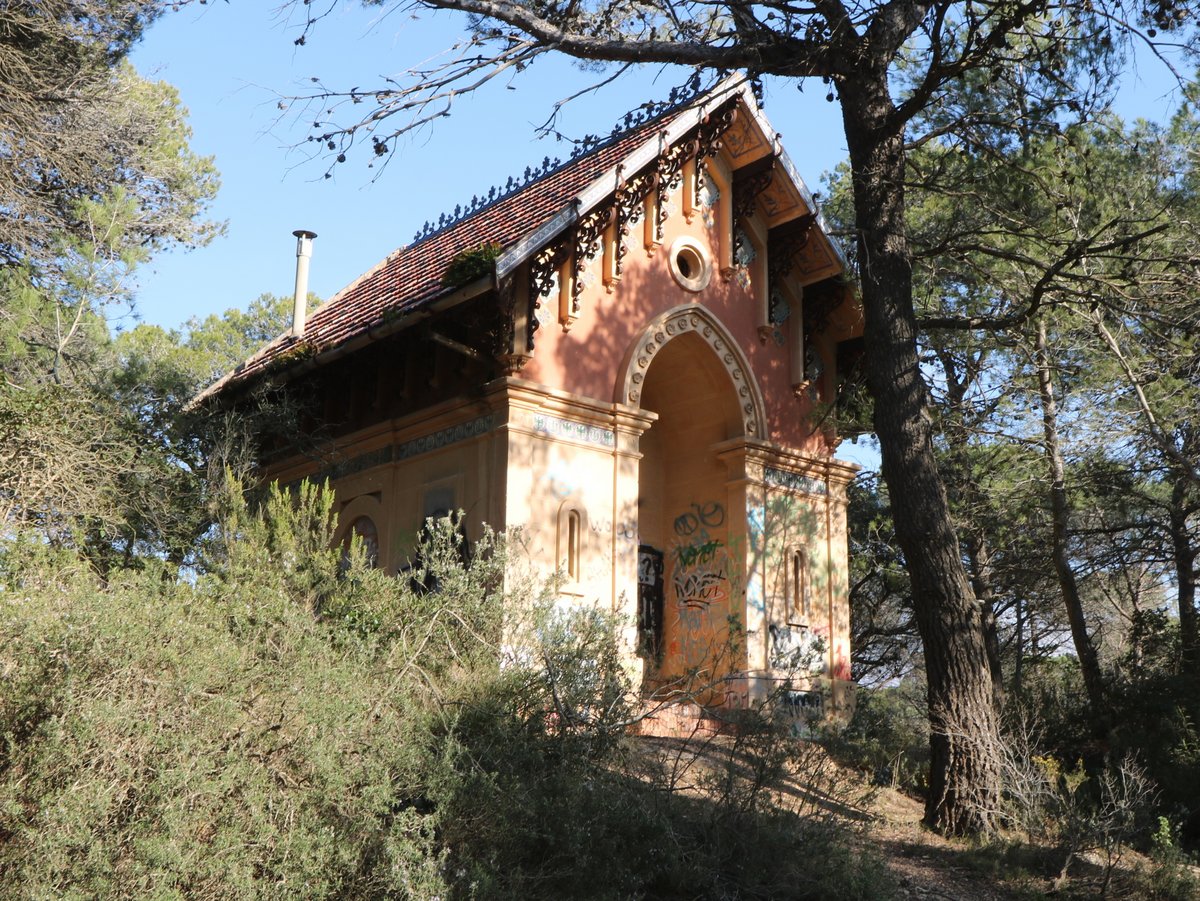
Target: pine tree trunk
[[974, 540], [981, 584], [1089, 663], [1184, 554], [964, 778]]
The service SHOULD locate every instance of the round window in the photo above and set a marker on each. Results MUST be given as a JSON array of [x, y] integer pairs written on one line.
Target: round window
[[690, 264]]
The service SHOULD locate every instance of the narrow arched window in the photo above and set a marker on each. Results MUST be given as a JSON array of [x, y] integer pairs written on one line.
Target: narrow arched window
[[799, 603], [572, 526], [574, 529]]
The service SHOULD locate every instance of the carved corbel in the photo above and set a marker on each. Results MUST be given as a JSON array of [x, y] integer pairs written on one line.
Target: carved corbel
[[785, 244], [669, 167], [708, 141], [819, 304], [690, 206], [751, 253], [544, 274], [748, 187], [515, 344], [589, 235], [629, 210]]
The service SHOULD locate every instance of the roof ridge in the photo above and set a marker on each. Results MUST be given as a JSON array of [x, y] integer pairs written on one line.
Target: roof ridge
[[637, 118]]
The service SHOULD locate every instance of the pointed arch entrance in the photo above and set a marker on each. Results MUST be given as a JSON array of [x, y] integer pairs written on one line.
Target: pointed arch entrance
[[688, 370]]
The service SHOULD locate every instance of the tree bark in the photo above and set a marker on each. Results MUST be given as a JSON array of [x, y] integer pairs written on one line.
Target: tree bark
[[1184, 556], [964, 735], [1089, 663], [981, 583], [975, 540]]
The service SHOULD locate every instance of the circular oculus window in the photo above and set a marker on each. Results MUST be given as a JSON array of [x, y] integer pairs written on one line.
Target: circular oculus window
[[690, 264]]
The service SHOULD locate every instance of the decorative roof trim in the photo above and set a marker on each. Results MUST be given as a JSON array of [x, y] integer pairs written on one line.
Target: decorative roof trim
[[734, 86], [610, 181], [679, 98], [535, 241], [660, 137]]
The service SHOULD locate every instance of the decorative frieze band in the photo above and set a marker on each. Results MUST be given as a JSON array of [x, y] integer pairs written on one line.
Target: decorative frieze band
[[782, 478], [394, 453], [579, 431], [358, 464], [444, 437]]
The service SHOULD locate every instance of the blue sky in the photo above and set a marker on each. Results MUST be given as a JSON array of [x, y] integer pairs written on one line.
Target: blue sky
[[231, 61]]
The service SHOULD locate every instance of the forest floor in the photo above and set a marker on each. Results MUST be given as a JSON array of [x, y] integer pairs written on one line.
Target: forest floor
[[928, 866]]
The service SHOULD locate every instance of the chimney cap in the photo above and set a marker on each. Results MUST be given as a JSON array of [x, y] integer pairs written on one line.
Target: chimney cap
[[304, 233]]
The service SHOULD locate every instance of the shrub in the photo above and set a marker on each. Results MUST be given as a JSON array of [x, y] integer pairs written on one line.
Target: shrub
[[470, 264], [1153, 713], [1073, 810], [888, 736], [288, 724], [1158, 716], [164, 738], [1171, 877]]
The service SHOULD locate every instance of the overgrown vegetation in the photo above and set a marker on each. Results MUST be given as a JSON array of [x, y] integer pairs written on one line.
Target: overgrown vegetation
[[470, 264], [199, 698], [1076, 801], [291, 723]]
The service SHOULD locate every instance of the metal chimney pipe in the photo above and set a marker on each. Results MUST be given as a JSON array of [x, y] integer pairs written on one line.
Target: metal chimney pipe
[[304, 239]]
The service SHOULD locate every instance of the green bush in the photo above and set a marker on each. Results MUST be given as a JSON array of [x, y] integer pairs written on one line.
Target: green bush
[[1152, 713], [888, 736], [286, 723], [1051, 694], [1156, 714], [170, 739], [470, 264], [1170, 878]]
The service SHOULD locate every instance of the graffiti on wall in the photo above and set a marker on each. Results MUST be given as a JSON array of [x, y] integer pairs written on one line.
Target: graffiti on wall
[[699, 587], [805, 709], [693, 635], [788, 577], [700, 575], [703, 566], [796, 649], [650, 599], [698, 519], [626, 530], [559, 479]]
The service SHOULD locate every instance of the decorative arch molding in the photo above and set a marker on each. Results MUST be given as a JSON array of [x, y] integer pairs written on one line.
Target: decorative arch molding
[[695, 319]]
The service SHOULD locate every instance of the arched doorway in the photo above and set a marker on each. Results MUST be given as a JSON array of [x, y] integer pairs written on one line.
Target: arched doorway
[[686, 529]]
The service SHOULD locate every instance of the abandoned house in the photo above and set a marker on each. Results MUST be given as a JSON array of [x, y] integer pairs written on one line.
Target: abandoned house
[[635, 356]]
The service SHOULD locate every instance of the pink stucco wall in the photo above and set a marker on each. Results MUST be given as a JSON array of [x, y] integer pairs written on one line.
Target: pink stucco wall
[[587, 360]]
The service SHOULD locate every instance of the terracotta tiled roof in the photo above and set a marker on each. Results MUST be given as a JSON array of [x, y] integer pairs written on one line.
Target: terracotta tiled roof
[[412, 276]]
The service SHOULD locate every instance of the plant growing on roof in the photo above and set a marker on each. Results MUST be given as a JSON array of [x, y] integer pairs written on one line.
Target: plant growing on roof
[[470, 264]]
